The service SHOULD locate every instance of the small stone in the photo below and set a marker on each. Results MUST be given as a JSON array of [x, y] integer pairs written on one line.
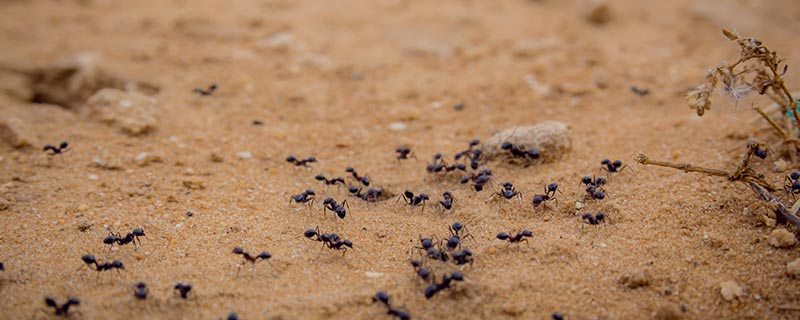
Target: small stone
[[15, 132], [107, 164], [172, 199], [244, 154], [668, 312], [597, 11], [93, 176], [780, 165], [782, 238], [371, 274], [793, 268], [194, 184], [133, 113], [83, 207], [730, 290], [635, 279], [84, 225], [397, 126], [145, 158], [769, 222], [215, 157]]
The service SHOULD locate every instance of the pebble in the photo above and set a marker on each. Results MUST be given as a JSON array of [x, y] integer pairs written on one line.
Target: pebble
[[635, 279], [793, 268], [215, 157], [84, 225], [398, 126], [83, 207], [194, 184], [93, 176], [244, 154], [552, 138], [131, 112], [145, 158], [597, 11], [371, 274], [730, 290], [782, 238]]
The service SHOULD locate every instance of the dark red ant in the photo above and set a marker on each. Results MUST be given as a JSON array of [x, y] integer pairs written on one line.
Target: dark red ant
[[612, 167], [792, 183], [411, 199], [301, 162], [332, 181], [339, 209], [56, 150], [362, 179], [549, 194], [304, 197], [383, 297], [62, 310], [508, 191], [447, 202], [206, 92], [432, 289], [183, 289], [517, 238], [250, 258], [128, 238], [594, 220], [140, 290]]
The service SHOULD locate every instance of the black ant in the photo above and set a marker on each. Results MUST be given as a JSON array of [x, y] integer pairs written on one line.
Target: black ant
[[372, 195], [62, 310], [250, 258], [462, 257], [383, 297], [594, 220], [305, 197], [517, 238], [455, 166], [508, 191], [411, 199], [549, 194], [432, 289], [206, 92], [473, 155], [90, 259], [183, 289], [519, 151], [792, 183], [421, 271], [339, 209], [362, 179], [402, 152], [594, 187], [456, 236], [331, 240], [300, 162], [447, 202], [613, 167], [140, 290], [338, 244], [435, 254], [478, 180], [437, 165], [2, 267], [128, 238], [331, 181], [232, 316], [56, 150]]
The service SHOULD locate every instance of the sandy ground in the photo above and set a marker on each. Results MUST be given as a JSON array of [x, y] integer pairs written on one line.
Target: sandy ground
[[347, 82]]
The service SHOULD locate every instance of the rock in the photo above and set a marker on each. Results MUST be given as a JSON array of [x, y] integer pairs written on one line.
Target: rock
[[552, 138], [730, 290], [84, 225], [668, 312], [133, 113], [105, 163], [145, 158], [782, 238], [635, 279], [244, 154], [215, 157], [397, 126], [597, 11], [194, 184], [793, 268], [14, 132]]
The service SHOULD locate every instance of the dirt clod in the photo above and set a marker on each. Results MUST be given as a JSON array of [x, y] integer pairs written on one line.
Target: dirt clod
[[730, 290], [635, 279], [133, 113], [552, 138], [782, 238], [793, 268]]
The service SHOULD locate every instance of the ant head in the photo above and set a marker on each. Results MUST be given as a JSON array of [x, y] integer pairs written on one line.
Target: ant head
[[319, 177], [474, 164], [349, 169], [63, 145], [457, 226], [795, 175], [437, 156], [117, 264], [467, 252], [328, 201], [140, 285], [233, 316], [527, 233], [402, 150], [457, 276], [291, 158], [557, 316], [506, 145], [485, 172], [309, 192], [452, 242], [507, 185], [599, 181], [474, 142], [108, 240], [311, 159], [365, 180], [600, 195], [423, 196], [73, 301], [761, 153], [426, 243], [264, 255], [423, 272], [503, 235], [605, 162], [238, 250], [348, 243], [464, 179], [138, 232], [533, 153], [447, 194], [88, 258], [212, 87], [600, 216], [415, 263], [618, 163], [478, 187], [381, 296], [586, 180], [310, 233], [353, 189], [552, 187], [537, 199], [430, 290], [50, 302], [341, 212], [460, 166]]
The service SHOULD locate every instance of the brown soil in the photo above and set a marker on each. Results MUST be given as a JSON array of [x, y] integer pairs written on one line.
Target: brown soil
[[327, 78]]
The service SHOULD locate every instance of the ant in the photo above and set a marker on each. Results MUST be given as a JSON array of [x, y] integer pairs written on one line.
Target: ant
[[432, 289], [331, 181], [56, 150], [90, 259], [232, 316], [372, 195], [300, 162], [383, 297], [121, 241], [447, 203], [455, 235], [594, 220], [440, 255], [402, 153], [338, 244], [640, 91], [339, 209], [508, 191], [478, 180], [250, 258], [62, 310], [183, 289], [455, 166], [437, 165], [462, 257], [470, 153], [549, 194], [792, 183], [421, 271], [517, 238], [615, 167], [331, 240], [362, 179], [411, 199], [140, 290], [2, 267], [206, 92], [305, 197], [594, 187], [519, 151]]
